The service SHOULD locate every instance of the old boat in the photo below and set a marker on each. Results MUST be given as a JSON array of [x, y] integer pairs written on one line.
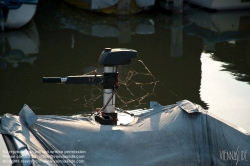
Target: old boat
[[16, 13], [177, 134]]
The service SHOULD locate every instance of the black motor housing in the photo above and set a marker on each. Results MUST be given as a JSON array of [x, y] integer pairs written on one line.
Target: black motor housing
[[116, 56]]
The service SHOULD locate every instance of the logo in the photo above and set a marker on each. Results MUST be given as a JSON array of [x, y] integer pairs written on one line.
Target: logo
[[233, 155]]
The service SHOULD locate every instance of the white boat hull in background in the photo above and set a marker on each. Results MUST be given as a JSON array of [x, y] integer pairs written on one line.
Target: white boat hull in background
[[222, 4], [17, 18]]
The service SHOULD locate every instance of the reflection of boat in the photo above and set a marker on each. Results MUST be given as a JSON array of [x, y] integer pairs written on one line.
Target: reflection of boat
[[113, 6], [219, 26], [19, 46], [178, 134], [222, 4], [180, 5], [106, 26], [176, 6], [17, 13], [225, 53]]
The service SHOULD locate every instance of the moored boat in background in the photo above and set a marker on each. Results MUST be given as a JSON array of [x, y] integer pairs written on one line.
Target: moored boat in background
[[222, 4], [16, 13]]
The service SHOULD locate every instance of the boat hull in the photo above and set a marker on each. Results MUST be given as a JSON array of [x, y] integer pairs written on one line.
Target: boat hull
[[222, 4], [17, 18], [178, 134]]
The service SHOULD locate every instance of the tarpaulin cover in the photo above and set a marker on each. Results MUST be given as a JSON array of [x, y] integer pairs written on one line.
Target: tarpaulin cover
[[180, 134]]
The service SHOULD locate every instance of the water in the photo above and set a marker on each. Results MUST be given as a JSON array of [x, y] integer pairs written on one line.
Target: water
[[200, 56]]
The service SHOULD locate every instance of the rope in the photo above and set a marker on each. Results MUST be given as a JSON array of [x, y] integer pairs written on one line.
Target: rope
[[101, 109]]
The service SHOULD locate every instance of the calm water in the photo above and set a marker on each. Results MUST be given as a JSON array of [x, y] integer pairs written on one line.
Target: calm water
[[200, 56]]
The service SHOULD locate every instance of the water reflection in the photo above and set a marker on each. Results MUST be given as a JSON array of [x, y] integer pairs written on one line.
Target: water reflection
[[226, 35], [106, 26], [168, 69], [219, 26], [225, 62], [227, 97], [19, 46], [236, 54]]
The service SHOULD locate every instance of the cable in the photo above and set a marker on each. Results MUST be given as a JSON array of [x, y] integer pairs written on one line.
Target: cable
[[101, 109]]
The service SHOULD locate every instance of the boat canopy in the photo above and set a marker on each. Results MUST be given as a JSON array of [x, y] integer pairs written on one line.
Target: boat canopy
[[178, 134]]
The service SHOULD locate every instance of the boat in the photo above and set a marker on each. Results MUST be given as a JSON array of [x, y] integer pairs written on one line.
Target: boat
[[222, 4], [117, 7], [178, 134], [16, 13]]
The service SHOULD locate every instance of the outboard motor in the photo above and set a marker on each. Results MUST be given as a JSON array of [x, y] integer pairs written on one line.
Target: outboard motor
[[110, 59]]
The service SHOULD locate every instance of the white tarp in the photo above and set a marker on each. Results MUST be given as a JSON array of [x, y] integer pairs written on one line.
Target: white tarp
[[11, 125], [165, 135]]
